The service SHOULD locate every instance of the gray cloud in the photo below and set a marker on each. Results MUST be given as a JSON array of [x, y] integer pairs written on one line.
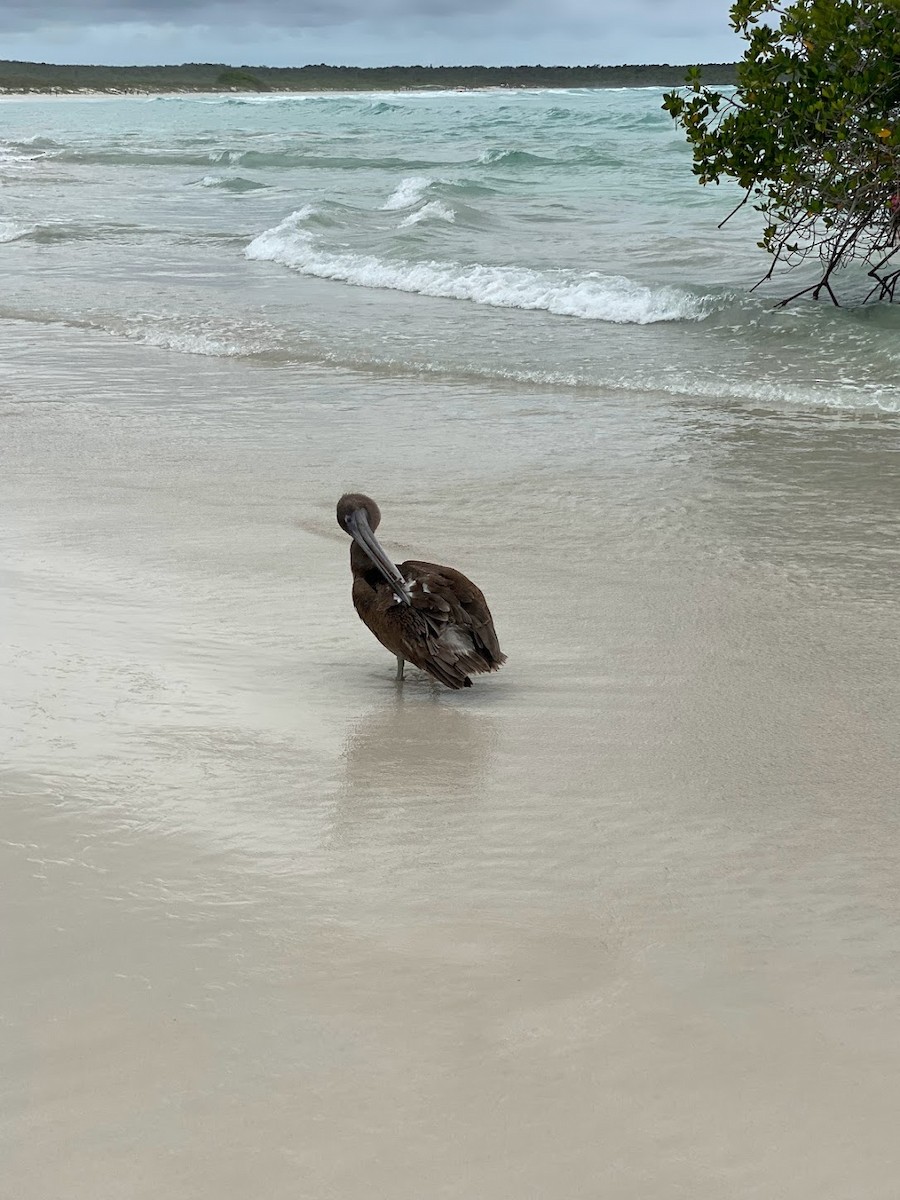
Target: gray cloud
[[284, 14], [366, 32]]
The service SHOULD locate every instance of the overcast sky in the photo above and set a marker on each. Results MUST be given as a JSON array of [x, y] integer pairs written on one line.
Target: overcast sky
[[367, 32]]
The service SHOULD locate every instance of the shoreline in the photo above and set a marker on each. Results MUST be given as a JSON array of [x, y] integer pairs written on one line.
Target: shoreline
[[436, 90], [27, 78]]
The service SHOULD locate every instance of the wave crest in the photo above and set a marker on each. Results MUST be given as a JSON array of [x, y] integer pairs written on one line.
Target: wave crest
[[590, 296], [12, 232], [432, 211], [497, 156], [233, 183], [408, 192]]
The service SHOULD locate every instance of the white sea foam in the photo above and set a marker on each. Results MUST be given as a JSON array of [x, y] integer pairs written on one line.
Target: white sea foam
[[12, 158], [222, 158], [293, 222], [231, 183], [432, 211], [590, 296], [11, 232], [206, 339], [190, 343], [409, 192]]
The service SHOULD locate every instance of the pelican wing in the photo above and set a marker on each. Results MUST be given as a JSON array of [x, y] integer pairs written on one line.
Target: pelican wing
[[453, 633]]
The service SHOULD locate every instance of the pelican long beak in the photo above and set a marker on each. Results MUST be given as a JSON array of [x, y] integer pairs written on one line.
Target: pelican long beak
[[361, 532]]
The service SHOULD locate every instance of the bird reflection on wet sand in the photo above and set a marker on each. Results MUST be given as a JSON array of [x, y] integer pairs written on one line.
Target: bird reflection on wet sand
[[416, 746]]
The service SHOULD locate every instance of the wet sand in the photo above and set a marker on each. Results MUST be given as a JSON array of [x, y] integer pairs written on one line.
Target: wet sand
[[618, 922]]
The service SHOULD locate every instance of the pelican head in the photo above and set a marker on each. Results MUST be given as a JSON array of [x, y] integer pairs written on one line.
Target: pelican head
[[359, 516], [355, 502]]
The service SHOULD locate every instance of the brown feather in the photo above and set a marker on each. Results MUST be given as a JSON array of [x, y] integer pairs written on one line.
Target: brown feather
[[443, 625]]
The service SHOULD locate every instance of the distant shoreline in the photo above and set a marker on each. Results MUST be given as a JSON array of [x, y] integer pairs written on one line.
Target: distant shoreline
[[124, 93], [24, 79]]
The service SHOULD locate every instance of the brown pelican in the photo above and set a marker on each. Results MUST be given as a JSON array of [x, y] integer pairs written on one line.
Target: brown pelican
[[428, 615]]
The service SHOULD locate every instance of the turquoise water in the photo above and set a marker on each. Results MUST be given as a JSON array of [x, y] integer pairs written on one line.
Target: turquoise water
[[548, 238]]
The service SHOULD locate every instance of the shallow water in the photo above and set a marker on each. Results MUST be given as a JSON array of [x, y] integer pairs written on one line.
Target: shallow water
[[619, 920], [462, 225]]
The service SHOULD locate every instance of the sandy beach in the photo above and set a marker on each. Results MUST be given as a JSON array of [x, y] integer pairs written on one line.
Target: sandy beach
[[620, 921]]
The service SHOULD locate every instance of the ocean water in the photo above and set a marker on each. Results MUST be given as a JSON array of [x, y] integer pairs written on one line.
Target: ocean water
[[549, 237], [618, 921]]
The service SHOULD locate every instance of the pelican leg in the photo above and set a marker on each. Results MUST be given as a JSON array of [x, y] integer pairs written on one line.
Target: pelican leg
[[401, 663]]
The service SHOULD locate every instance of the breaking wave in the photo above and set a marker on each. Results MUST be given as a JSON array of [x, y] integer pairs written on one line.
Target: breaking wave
[[590, 296], [51, 232], [10, 231], [234, 183], [409, 192], [497, 156], [287, 157], [432, 211], [565, 156], [435, 200]]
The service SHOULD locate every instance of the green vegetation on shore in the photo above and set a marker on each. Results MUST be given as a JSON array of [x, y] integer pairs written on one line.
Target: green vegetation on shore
[[220, 77], [812, 135]]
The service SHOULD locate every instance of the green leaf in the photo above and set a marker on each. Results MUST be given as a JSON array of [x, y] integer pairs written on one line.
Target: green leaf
[[813, 128]]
